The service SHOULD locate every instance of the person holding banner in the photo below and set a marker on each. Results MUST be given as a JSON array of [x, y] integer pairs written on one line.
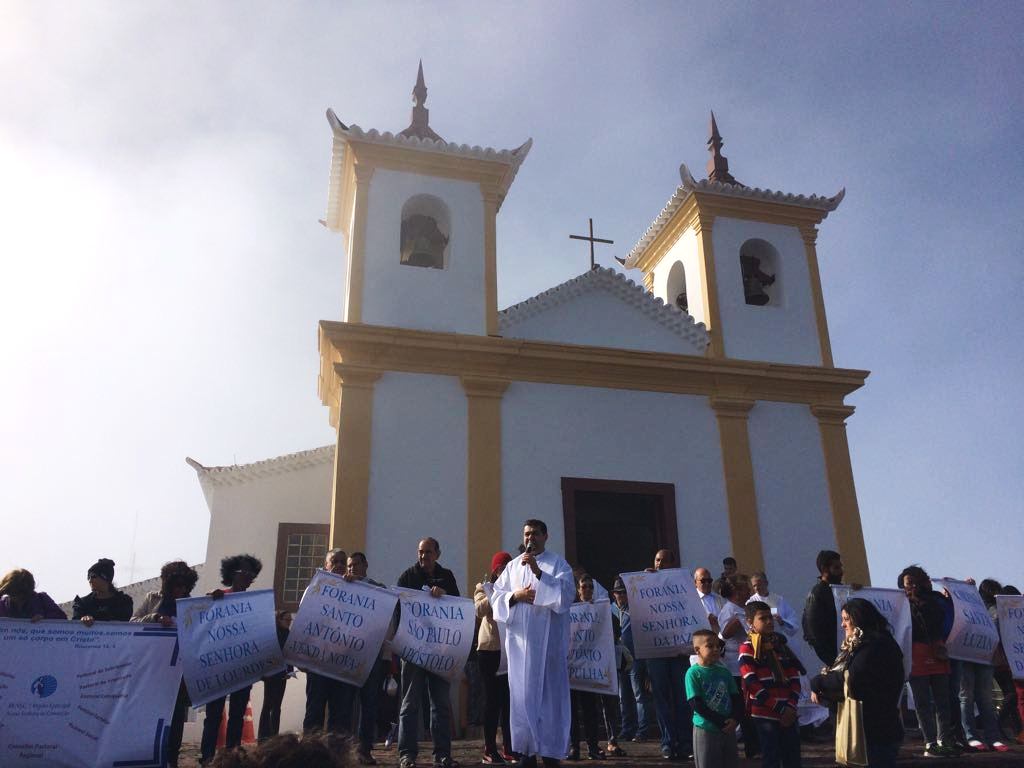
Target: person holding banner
[[103, 603], [532, 598], [929, 672], [19, 599], [819, 619], [177, 580], [369, 695], [488, 654], [585, 701], [329, 700], [427, 575], [874, 662], [634, 696], [668, 679], [237, 573]]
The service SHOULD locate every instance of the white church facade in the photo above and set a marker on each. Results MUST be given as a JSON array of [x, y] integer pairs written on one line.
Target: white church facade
[[697, 408]]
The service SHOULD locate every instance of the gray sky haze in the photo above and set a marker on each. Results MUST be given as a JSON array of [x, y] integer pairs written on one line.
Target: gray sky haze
[[163, 167]]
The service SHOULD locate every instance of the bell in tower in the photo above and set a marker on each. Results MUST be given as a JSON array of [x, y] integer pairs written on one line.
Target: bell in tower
[[755, 280], [423, 242]]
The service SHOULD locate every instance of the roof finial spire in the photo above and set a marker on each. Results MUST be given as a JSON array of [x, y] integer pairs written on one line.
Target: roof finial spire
[[419, 127], [718, 165]]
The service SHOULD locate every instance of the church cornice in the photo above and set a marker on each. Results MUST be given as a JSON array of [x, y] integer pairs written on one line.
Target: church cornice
[[384, 349], [239, 474], [601, 278], [713, 198]]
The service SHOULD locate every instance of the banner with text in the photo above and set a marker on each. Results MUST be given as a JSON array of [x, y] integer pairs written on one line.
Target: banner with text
[[227, 644], [592, 648], [94, 697], [503, 659], [1011, 631], [435, 633], [974, 635], [664, 610], [892, 604], [340, 627]]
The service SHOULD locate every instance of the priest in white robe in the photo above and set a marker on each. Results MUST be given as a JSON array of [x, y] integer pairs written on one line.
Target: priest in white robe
[[532, 598]]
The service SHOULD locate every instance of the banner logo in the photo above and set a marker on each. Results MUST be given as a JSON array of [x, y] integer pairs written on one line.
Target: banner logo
[[44, 686]]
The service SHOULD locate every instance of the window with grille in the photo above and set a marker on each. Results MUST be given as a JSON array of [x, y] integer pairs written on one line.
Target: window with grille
[[301, 548]]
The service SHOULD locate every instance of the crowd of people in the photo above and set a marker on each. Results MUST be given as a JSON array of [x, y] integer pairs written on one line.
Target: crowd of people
[[741, 680]]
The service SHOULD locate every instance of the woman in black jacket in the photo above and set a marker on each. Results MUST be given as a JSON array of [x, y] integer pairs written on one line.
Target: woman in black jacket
[[875, 663]]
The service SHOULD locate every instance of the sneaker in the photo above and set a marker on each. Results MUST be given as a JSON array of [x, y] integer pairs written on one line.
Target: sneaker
[[595, 754], [933, 750], [491, 757], [407, 762], [977, 746], [446, 762], [510, 756], [614, 750], [998, 746]]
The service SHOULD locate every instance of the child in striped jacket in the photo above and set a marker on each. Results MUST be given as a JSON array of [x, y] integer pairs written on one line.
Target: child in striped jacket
[[771, 687]]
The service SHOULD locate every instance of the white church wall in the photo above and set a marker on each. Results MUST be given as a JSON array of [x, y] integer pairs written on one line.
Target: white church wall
[[554, 431], [784, 331], [418, 473], [599, 318], [792, 495], [685, 252], [396, 294]]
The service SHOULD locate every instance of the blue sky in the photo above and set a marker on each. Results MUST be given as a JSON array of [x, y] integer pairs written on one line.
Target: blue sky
[[164, 166]]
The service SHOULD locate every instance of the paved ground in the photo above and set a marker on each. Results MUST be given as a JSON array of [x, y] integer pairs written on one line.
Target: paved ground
[[815, 755]]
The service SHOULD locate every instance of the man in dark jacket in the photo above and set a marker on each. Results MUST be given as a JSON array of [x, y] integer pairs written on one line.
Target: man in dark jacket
[[426, 574], [820, 625]]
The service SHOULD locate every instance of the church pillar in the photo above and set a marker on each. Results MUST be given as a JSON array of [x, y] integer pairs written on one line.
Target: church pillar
[[357, 251], [740, 491], [351, 492], [810, 236], [492, 201], [483, 474], [841, 491], [709, 284]]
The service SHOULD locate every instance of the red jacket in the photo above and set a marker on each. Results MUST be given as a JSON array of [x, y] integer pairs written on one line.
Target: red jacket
[[767, 697]]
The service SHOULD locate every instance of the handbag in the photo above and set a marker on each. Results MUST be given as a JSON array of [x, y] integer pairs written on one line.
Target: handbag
[[851, 743]]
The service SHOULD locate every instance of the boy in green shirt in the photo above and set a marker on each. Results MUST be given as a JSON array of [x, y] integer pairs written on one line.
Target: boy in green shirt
[[716, 702]]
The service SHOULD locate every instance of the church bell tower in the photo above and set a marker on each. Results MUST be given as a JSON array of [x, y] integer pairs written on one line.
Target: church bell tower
[[743, 261], [419, 216]]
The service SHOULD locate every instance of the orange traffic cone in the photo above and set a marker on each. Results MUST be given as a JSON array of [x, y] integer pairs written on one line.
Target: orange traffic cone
[[222, 732], [248, 734]]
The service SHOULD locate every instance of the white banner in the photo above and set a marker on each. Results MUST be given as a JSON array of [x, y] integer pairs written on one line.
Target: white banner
[[664, 610], [340, 627], [592, 648], [94, 697], [503, 659], [892, 604], [974, 635], [435, 633], [227, 644], [1011, 631]]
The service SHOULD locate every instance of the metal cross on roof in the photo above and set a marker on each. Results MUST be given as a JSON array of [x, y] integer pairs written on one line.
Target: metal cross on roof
[[592, 240]]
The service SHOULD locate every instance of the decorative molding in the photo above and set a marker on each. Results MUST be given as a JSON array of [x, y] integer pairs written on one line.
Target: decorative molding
[[381, 348], [731, 407], [602, 278], [832, 413], [479, 387], [734, 200], [239, 474]]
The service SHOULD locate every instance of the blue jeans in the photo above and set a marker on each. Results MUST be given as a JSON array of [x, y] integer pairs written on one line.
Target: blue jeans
[[780, 747], [639, 678], [668, 679], [330, 695], [238, 700], [627, 706], [976, 688], [413, 680]]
